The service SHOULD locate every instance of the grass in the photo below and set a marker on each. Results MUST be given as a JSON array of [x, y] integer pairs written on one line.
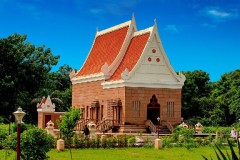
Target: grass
[[129, 154]]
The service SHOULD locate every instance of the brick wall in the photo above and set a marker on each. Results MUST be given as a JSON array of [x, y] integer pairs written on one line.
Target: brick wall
[[85, 93], [144, 95]]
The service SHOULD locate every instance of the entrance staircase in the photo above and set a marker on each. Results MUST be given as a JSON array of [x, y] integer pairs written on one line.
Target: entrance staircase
[[164, 128], [111, 126]]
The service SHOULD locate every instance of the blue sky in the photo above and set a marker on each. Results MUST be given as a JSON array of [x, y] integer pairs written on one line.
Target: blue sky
[[196, 34]]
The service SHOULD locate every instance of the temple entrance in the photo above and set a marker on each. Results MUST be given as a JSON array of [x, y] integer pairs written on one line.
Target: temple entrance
[[153, 110]]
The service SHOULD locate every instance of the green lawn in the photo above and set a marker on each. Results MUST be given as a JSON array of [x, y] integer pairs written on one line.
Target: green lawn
[[130, 154]]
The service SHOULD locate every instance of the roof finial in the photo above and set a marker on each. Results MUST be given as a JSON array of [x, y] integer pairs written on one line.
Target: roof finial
[[155, 22], [134, 22], [97, 29]]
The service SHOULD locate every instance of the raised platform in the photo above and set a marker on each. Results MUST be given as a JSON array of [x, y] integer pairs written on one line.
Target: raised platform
[[132, 129]]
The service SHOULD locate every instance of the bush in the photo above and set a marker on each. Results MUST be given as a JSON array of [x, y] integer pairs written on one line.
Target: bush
[[4, 131], [35, 143], [131, 141], [190, 143], [168, 141], [148, 143], [181, 134], [1, 119], [24, 127]]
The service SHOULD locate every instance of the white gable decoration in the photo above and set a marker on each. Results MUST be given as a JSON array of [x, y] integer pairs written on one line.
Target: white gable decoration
[[46, 105], [153, 69]]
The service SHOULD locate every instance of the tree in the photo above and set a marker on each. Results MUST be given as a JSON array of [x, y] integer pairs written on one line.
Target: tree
[[24, 68], [58, 85], [226, 92], [69, 121], [196, 92]]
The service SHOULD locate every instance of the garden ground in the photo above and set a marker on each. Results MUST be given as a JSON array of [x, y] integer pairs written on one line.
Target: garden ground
[[179, 153]]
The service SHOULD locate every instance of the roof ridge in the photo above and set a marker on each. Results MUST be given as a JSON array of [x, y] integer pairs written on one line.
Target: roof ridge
[[143, 31], [114, 28]]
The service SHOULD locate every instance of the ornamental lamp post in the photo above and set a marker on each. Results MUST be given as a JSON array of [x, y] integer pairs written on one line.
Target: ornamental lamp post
[[158, 119], [19, 114], [9, 120], [60, 134]]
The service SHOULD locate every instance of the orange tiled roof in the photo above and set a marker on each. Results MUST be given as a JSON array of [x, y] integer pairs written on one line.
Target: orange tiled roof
[[44, 99], [105, 49], [132, 55]]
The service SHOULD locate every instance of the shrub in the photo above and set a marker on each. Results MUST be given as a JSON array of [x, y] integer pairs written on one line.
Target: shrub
[[79, 142], [131, 141], [24, 127], [168, 141], [1, 119], [122, 141], [148, 143], [185, 132], [190, 143], [111, 142], [35, 143]]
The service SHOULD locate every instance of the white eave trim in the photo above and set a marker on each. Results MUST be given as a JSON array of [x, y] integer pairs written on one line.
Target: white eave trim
[[114, 28], [122, 83], [88, 78]]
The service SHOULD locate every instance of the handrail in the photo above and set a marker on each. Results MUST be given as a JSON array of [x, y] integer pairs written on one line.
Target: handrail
[[102, 125], [80, 124], [151, 126], [168, 124]]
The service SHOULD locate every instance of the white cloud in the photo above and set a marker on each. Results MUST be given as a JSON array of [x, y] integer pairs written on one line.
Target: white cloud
[[218, 14], [171, 28], [207, 25]]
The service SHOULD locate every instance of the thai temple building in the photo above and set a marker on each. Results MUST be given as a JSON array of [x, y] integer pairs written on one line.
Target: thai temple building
[[127, 81]]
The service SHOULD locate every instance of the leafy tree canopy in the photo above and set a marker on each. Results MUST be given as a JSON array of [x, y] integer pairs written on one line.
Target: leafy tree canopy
[[24, 68], [195, 90], [226, 92]]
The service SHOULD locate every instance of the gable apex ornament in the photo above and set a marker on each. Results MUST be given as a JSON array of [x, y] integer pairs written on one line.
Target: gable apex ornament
[[72, 74], [46, 105], [125, 74], [104, 69]]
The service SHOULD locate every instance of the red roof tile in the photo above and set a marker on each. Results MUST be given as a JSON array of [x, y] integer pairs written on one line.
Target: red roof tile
[[132, 55], [105, 49], [44, 99]]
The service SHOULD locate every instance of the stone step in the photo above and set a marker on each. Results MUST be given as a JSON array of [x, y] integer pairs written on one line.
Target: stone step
[[132, 129]]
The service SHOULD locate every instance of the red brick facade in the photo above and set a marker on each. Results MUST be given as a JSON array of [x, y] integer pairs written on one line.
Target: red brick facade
[[84, 94]]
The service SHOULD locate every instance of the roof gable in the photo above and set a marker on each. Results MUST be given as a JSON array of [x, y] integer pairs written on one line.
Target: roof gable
[[123, 56], [132, 55], [152, 69], [105, 49], [46, 105]]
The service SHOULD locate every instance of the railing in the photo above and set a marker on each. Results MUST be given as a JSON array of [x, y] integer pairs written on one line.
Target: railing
[[168, 124], [151, 126], [102, 125], [106, 125], [80, 124]]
